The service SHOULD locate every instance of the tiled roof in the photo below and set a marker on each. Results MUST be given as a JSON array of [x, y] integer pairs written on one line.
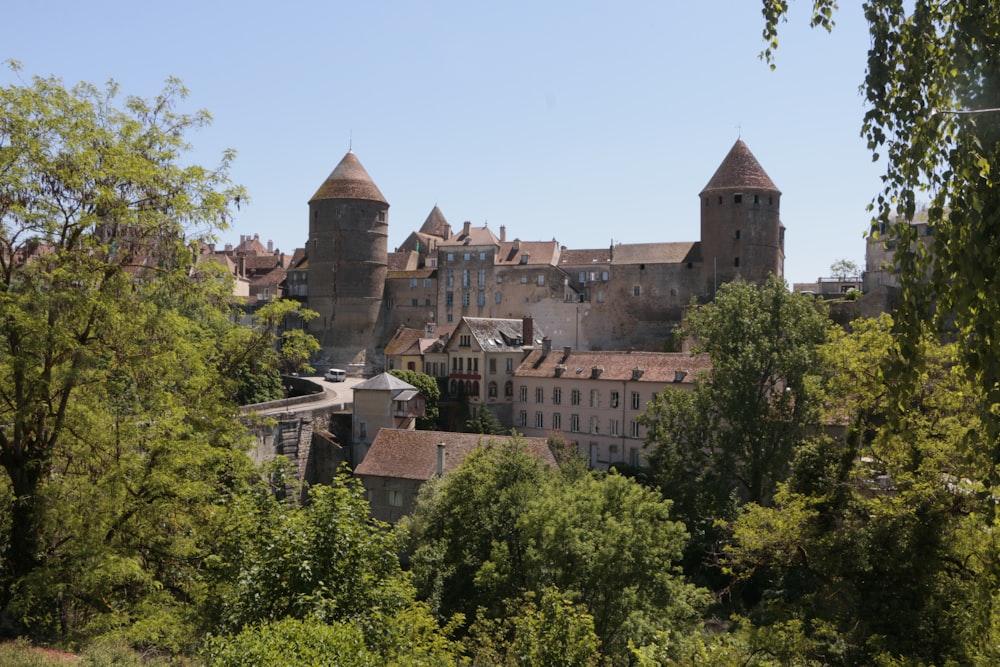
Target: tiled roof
[[500, 335], [297, 258], [349, 180], [654, 253], [585, 257], [402, 260], [410, 273], [273, 277], [435, 224], [476, 236], [413, 454], [404, 341], [655, 366], [539, 252], [740, 169]]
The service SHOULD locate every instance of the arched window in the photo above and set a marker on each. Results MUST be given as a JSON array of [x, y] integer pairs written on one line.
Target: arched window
[[453, 387], [508, 389], [475, 388], [468, 387], [491, 389]]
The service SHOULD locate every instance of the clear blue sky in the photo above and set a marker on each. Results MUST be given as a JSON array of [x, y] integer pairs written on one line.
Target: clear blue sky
[[582, 121]]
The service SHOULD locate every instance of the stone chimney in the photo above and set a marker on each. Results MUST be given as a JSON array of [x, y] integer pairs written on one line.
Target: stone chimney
[[429, 330], [270, 245], [466, 227], [546, 346], [527, 330], [566, 350], [503, 233]]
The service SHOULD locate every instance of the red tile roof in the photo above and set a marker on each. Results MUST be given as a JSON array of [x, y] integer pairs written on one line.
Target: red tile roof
[[413, 454], [655, 366]]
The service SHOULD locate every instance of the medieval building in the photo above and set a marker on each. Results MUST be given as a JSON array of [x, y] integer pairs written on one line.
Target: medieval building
[[618, 297]]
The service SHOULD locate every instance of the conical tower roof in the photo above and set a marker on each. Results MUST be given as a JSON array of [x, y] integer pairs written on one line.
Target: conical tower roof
[[349, 180], [435, 224], [740, 169]]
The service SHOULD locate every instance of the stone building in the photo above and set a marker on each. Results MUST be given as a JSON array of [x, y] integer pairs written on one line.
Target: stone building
[[384, 401], [626, 295]]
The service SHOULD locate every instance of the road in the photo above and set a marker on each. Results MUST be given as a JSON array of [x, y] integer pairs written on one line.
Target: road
[[334, 394]]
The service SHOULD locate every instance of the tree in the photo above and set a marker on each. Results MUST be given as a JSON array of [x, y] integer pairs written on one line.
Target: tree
[[731, 439], [844, 268], [485, 422], [428, 387], [95, 203]]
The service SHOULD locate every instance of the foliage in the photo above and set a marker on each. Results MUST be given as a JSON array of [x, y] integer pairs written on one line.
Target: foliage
[[485, 422], [844, 269], [327, 560], [502, 525], [731, 439], [427, 386]]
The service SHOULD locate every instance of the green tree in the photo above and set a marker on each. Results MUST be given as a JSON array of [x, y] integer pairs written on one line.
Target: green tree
[[731, 439], [427, 386], [113, 420], [844, 269], [485, 422]]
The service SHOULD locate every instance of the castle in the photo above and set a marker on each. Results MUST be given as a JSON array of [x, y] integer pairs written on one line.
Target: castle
[[623, 296]]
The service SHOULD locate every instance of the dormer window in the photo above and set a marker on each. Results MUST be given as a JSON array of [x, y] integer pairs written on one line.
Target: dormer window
[[738, 199]]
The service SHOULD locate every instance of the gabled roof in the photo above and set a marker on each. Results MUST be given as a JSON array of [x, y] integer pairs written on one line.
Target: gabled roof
[[384, 382], [538, 252], [672, 367], [653, 253], [476, 236], [500, 335], [349, 180], [413, 454], [404, 341], [740, 169], [435, 224], [582, 258]]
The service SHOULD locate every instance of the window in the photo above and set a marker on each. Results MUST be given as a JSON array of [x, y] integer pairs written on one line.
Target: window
[[556, 396], [449, 317], [539, 420], [574, 397], [465, 299], [613, 427], [413, 283], [508, 389], [466, 256], [635, 400], [614, 399], [595, 398], [574, 423], [491, 390], [595, 425], [523, 394], [498, 297], [583, 277], [522, 418], [510, 365], [737, 199], [481, 299], [474, 364], [736, 261], [635, 429], [637, 291], [427, 282], [604, 276], [600, 296], [363, 429], [633, 457], [524, 280], [465, 340], [449, 278], [541, 280], [427, 301], [556, 421], [449, 299], [414, 302], [482, 257], [539, 395], [395, 498], [493, 366], [482, 278], [466, 277]]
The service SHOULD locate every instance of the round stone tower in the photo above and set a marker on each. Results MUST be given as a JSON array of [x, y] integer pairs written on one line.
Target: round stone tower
[[741, 231], [348, 261]]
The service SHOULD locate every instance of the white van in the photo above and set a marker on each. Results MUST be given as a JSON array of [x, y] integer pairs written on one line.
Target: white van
[[335, 375]]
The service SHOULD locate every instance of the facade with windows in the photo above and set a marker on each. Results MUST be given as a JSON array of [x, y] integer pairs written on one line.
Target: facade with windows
[[607, 391], [384, 401]]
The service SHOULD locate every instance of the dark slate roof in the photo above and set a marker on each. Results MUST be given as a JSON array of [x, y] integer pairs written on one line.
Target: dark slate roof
[[435, 224], [349, 180], [740, 169], [384, 382], [413, 454], [501, 335], [404, 341], [672, 367]]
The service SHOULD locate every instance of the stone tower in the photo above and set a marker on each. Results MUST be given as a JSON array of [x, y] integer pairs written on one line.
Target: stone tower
[[741, 231], [348, 261]]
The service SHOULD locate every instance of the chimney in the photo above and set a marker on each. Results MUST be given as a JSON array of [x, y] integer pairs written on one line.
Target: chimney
[[466, 227], [447, 231], [270, 245], [503, 233], [527, 330], [546, 346], [566, 350], [440, 459], [429, 330]]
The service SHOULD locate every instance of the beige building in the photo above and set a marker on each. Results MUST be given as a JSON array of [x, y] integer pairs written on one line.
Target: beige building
[[399, 462], [384, 401], [594, 399]]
